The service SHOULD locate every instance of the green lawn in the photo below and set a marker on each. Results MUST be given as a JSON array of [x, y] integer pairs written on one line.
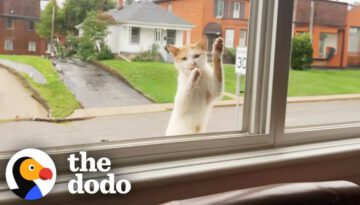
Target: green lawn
[[158, 80], [60, 100]]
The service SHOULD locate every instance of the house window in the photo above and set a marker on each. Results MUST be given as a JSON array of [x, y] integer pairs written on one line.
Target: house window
[[8, 45], [171, 37], [219, 9], [229, 38], [158, 35], [9, 23], [134, 35], [327, 41], [354, 40], [236, 10], [243, 38], [32, 46], [31, 26]]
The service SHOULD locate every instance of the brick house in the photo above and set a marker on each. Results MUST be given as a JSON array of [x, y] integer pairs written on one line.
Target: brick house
[[335, 31], [213, 18], [17, 27]]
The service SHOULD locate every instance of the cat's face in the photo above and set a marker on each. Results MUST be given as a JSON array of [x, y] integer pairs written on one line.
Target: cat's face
[[189, 57]]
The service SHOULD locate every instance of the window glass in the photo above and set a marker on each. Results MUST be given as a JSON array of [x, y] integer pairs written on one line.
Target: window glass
[[236, 10], [220, 6], [171, 37], [8, 45], [324, 85], [32, 46], [9, 23], [135, 35], [31, 25], [229, 38], [243, 38]]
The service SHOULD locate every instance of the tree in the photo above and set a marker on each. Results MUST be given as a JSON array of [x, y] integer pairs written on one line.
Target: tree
[[75, 11], [129, 2], [301, 52], [43, 26], [91, 44]]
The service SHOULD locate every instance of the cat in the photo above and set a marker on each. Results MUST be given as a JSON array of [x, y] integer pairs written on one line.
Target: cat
[[198, 86]]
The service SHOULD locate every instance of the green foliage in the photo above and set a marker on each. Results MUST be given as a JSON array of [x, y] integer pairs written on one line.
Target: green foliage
[[231, 52], [60, 100], [149, 55], [75, 11], [72, 44], [302, 51], [91, 45], [43, 26]]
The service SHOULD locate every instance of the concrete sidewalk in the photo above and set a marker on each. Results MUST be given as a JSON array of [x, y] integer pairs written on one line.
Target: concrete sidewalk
[[138, 109]]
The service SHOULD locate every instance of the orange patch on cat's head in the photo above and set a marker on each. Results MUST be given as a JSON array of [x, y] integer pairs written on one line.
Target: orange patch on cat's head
[[180, 53]]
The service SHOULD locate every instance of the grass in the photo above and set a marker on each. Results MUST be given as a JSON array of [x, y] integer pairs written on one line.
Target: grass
[[59, 99], [158, 80]]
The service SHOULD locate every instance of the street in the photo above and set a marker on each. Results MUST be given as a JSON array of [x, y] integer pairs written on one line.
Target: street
[[18, 135]]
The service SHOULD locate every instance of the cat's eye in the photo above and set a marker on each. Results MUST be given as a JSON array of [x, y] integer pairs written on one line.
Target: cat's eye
[[197, 56], [184, 59]]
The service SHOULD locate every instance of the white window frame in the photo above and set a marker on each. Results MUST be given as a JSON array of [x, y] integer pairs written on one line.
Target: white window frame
[[264, 105], [236, 13], [8, 45], [131, 36], [229, 40], [243, 36], [354, 40], [32, 46], [220, 8]]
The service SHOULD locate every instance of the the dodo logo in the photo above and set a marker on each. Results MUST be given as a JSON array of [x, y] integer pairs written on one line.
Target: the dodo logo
[[30, 174]]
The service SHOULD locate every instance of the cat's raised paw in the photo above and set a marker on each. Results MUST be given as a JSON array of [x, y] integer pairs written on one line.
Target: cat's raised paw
[[218, 45]]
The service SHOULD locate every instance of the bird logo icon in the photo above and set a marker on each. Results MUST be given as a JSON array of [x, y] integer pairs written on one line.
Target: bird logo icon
[[30, 174]]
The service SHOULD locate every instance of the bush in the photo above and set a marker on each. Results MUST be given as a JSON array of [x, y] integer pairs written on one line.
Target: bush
[[105, 54], [302, 51], [231, 53], [149, 55], [86, 50]]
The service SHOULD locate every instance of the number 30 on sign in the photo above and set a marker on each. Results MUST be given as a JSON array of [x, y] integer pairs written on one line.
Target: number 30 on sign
[[241, 57]]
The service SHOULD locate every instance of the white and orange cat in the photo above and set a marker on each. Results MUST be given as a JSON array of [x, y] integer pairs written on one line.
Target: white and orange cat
[[198, 87]]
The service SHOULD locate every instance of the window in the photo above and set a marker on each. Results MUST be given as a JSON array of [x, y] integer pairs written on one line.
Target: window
[[169, 6], [327, 41], [32, 46], [171, 37], [236, 10], [243, 38], [134, 35], [158, 33], [220, 7], [8, 45], [354, 40], [31, 26], [9, 23], [229, 38]]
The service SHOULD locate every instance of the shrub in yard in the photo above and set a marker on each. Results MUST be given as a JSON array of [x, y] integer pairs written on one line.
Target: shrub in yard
[[301, 53], [149, 55], [105, 54], [231, 53]]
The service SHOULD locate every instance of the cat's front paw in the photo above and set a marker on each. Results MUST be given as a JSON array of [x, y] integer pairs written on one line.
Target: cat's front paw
[[218, 46], [195, 75]]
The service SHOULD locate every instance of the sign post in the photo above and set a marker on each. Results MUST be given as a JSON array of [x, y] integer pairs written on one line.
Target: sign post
[[240, 69]]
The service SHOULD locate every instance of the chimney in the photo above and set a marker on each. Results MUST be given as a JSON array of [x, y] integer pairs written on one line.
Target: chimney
[[120, 4]]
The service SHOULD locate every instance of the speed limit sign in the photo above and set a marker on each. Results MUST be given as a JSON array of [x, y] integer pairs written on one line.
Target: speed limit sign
[[241, 57]]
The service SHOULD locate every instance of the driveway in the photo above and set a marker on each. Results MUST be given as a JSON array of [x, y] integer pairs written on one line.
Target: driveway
[[94, 87], [15, 100]]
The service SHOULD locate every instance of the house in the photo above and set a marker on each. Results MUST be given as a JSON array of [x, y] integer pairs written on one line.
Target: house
[[335, 38], [142, 24], [214, 18], [17, 27]]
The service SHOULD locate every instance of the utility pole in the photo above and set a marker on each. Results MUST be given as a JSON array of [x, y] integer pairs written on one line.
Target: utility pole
[[312, 14], [52, 28]]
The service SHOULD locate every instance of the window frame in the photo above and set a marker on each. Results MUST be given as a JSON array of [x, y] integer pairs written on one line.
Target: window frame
[[32, 46], [131, 36], [264, 106], [6, 48], [31, 28], [356, 43], [220, 9], [7, 19], [233, 37], [233, 11]]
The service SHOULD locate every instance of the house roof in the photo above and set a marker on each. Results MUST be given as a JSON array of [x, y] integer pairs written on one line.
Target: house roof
[[148, 13]]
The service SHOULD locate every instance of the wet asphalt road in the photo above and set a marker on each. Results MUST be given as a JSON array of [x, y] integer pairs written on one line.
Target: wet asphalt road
[[94, 87]]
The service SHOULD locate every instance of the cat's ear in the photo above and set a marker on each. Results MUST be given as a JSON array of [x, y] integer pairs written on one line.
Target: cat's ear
[[172, 49], [202, 44]]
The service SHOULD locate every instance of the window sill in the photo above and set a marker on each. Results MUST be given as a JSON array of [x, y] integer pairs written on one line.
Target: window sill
[[190, 170]]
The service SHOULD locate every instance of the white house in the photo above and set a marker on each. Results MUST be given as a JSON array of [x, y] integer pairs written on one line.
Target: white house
[[143, 24]]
